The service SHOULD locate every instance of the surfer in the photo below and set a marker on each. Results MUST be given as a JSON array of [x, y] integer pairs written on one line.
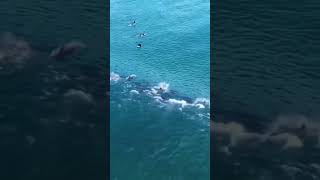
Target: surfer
[[142, 34], [133, 23], [139, 45], [161, 90]]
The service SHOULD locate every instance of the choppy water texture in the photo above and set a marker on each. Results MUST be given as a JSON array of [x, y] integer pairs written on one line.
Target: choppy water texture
[[266, 90], [160, 133], [52, 112]]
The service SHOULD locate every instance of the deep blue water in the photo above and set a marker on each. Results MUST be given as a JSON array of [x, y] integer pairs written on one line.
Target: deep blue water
[[265, 90], [52, 114], [159, 134]]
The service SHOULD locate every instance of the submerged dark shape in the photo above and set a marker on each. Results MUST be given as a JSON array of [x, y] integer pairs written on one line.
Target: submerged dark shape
[[140, 87], [67, 49], [131, 77]]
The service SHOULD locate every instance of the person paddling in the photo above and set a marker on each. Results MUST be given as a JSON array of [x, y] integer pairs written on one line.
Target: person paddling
[[133, 23]]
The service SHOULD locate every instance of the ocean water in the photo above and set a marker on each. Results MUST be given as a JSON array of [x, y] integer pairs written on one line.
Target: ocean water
[[52, 113], [160, 133], [266, 90]]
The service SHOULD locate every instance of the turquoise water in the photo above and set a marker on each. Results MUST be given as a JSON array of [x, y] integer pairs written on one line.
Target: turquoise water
[[176, 48], [160, 135]]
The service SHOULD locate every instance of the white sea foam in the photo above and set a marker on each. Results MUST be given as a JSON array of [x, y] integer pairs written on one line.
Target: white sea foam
[[153, 91], [162, 87], [158, 98], [114, 77], [203, 101], [182, 103], [201, 104], [134, 92]]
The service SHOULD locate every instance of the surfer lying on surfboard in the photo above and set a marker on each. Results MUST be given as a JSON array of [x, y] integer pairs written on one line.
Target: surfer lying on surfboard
[[133, 23]]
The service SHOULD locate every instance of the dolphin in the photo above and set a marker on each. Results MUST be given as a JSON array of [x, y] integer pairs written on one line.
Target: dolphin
[[67, 49]]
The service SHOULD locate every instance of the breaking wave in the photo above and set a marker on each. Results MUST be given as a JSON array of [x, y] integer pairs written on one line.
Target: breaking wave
[[160, 93]]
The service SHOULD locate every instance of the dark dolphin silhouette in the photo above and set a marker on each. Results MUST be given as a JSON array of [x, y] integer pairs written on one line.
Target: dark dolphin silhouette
[[67, 49]]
